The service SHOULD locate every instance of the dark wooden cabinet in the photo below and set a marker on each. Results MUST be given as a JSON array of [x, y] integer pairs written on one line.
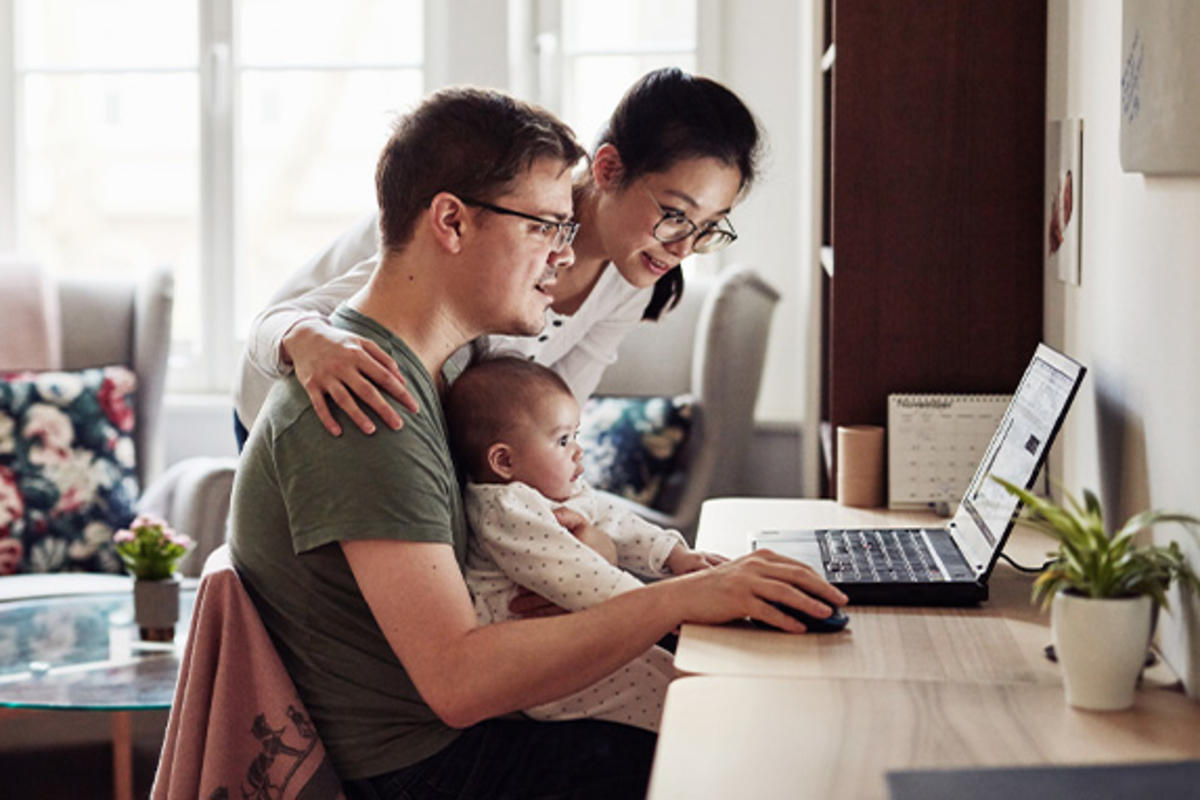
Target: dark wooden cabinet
[[935, 120]]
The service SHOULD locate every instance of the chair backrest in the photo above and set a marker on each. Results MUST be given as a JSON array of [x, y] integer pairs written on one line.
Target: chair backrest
[[655, 359], [124, 321], [712, 345], [237, 724]]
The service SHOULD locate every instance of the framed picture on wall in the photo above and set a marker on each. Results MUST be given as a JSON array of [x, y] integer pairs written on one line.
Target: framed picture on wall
[[1064, 176], [1160, 95]]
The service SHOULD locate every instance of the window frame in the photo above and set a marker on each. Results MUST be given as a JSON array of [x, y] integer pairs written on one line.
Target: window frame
[[551, 61]]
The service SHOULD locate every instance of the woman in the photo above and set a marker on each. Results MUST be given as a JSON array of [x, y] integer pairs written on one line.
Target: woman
[[675, 155]]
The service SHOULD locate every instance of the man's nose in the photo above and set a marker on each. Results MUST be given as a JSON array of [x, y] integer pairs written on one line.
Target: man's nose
[[561, 259]]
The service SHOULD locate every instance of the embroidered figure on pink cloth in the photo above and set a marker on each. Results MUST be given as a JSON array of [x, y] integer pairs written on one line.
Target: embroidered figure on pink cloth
[[258, 785]]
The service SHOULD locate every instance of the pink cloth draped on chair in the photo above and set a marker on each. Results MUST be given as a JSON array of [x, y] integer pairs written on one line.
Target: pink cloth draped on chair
[[237, 727]]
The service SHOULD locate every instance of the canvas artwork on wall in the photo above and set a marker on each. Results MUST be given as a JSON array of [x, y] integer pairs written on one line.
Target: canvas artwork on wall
[[1064, 175], [1160, 89]]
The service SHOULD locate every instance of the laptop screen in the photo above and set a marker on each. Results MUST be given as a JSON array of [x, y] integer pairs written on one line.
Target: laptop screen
[[1017, 451]]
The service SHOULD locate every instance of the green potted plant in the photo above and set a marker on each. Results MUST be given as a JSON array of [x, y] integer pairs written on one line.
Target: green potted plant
[[1103, 589], [151, 550]]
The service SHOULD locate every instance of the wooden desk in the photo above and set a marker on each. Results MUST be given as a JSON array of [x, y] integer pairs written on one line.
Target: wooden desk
[[833, 738], [1001, 641], [769, 715]]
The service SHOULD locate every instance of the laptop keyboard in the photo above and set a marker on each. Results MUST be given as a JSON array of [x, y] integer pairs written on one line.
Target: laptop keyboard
[[874, 556]]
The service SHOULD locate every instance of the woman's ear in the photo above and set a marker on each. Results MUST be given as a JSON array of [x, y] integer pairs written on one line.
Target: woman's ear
[[447, 214], [499, 460], [607, 167]]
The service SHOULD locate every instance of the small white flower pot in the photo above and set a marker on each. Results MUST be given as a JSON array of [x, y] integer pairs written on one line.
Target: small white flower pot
[[156, 608], [1101, 647]]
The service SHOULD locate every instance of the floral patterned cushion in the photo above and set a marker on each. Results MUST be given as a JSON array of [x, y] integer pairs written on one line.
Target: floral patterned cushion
[[67, 478], [632, 447]]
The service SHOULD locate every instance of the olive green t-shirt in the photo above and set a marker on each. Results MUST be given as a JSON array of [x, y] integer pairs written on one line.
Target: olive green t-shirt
[[298, 492]]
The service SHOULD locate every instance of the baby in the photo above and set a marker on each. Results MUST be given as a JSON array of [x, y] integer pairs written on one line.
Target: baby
[[513, 427]]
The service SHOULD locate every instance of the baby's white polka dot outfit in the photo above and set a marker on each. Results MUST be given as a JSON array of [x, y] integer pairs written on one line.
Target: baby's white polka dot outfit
[[517, 542]]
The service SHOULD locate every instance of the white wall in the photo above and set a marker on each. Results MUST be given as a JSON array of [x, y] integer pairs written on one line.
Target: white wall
[[768, 58], [1134, 432]]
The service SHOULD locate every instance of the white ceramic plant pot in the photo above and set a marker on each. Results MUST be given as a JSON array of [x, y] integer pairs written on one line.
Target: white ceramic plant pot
[[1101, 647], [156, 608]]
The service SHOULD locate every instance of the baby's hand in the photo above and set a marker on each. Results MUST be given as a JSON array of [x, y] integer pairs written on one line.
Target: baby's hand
[[587, 533], [682, 560], [529, 605]]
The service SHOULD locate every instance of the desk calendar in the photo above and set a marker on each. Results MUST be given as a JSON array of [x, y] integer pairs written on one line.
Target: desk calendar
[[935, 442]]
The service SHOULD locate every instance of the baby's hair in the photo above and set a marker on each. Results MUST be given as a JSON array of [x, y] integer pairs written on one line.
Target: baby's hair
[[488, 400]]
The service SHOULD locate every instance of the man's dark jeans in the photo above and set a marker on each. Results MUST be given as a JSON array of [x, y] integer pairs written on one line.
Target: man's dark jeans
[[526, 760]]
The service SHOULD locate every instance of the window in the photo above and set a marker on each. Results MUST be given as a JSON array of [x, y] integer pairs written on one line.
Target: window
[[314, 107], [230, 144], [606, 46], [231, 139], [590, 52], [107, 137]]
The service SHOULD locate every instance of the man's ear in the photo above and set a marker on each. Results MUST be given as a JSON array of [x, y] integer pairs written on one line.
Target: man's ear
[[499, 460], [447, 216], [607, 167]]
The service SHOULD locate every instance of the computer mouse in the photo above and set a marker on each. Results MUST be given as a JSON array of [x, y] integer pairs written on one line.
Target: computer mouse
[[831, 624]]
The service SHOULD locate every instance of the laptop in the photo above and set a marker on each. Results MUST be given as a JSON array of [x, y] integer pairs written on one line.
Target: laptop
[[948, 565]]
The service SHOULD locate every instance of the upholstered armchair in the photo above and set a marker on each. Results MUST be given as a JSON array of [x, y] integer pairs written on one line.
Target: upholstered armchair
[[82, 412], [129, 322]]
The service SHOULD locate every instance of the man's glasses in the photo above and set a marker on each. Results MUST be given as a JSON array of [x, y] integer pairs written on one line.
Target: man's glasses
[[674, 226], [563, 232]]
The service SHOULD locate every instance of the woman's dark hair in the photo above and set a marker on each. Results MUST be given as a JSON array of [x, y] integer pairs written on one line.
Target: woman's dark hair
[[669, 116], [472, 142]]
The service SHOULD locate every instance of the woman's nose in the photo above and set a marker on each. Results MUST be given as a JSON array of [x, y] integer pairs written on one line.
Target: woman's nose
[[681, 249]]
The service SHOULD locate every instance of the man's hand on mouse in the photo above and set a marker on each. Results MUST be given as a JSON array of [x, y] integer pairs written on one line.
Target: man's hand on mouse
[[750, 585]]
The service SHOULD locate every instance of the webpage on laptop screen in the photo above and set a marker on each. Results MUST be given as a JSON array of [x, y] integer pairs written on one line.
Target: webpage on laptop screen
[[1016, 450]]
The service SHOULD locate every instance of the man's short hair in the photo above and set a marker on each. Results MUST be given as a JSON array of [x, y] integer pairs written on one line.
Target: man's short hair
[[469, 141], [491, 398]]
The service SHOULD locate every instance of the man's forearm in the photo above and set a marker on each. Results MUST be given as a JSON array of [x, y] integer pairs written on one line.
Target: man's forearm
[[467, 672], [511, 666]]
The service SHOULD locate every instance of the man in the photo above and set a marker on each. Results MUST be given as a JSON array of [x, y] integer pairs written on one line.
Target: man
[[352, 547]]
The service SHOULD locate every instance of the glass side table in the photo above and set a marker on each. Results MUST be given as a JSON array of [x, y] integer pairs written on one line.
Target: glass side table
[[80, 652]]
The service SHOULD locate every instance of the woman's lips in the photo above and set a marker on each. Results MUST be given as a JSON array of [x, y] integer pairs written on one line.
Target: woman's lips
[[656, 266]]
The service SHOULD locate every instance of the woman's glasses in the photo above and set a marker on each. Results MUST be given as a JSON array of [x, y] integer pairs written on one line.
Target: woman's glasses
[[674, 226]]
